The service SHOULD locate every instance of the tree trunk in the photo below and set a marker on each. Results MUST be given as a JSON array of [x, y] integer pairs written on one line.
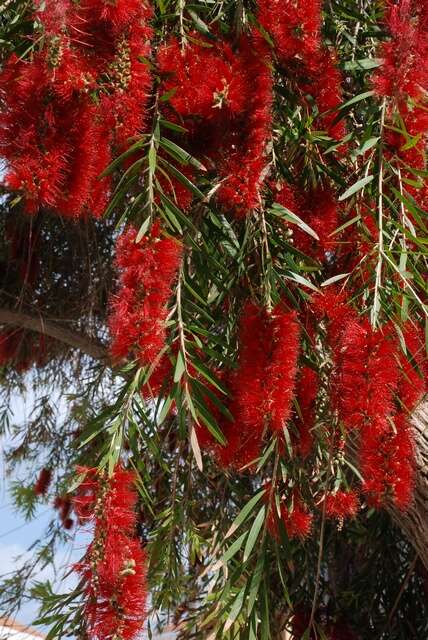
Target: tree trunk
[[414, 522]]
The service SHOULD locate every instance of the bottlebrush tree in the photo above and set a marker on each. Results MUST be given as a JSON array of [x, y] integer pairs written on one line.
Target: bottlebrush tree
[[213, 287]]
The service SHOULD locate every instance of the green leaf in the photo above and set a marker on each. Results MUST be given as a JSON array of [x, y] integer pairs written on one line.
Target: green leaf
[[363, 63], [182, 178], [357, 186], [301, 280], [334, 279], [143, 230], [152, 155], [236, 608], [244, 513], [180, 154], [119, 160], [285, 213], [233, 549], [346, 224], [195, 448], [209, 421], [358, 98], [367, 144], [180, 367], [254, 533]]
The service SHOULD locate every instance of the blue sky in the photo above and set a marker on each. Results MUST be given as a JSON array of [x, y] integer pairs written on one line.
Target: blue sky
[[17, 534]]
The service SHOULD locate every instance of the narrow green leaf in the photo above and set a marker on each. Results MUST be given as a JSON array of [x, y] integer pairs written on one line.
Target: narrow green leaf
[[195, 448], [180, 154], [142, 230], [233, 549], [358, 98], [285, 213], [363, 63], [301, 280], [357, 186], [180, 367], [254, 533], [236, 609], [119, 160], [334, 279], [244, 513]]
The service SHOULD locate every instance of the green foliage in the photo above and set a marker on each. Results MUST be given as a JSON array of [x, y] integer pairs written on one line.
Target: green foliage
[[214, 568]]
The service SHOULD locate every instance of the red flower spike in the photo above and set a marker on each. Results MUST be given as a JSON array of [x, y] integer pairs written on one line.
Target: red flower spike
[[294, 26], [341, 505], [113, 568], [139, 310], [282, 369], [297, 521], [404, 71], [43, 482]]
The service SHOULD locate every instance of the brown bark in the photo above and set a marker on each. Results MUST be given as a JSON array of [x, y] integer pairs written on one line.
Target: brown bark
[[414, 522], [76, 340]]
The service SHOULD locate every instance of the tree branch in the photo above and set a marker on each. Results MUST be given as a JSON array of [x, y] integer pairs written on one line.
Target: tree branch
[[17, 319]]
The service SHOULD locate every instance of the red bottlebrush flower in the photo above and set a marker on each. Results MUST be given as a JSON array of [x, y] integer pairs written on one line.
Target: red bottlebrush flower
[[341, 505], [139, 309], [325, 87], [62, 110], [366, 376], [43, 482], [183, 70], [113, 568], [387, 462], [243, 165], [250, 393], [262, 387], [319, 210], [307, 391], [404, 71], [119, 14], [279, 383], [331, 305], [294, 26], [235, 99], [131, 87], [298, 520], [64, 506]]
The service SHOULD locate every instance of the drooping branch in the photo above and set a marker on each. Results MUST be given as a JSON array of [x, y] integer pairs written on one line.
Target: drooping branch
[[39, 324]]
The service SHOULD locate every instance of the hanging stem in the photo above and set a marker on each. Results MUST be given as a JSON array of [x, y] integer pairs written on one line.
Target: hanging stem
[[378, 282]]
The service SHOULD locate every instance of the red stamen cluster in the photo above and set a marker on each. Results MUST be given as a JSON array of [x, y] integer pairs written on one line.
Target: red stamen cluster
[[139, 310], [296, 517], [366, 391], [403, 78], [263, 386], [295, 30], [224, 98], [404, 70], [341, 505], [319, 209], [113, 568], [64, 506], [58, 109], [43, 482]]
